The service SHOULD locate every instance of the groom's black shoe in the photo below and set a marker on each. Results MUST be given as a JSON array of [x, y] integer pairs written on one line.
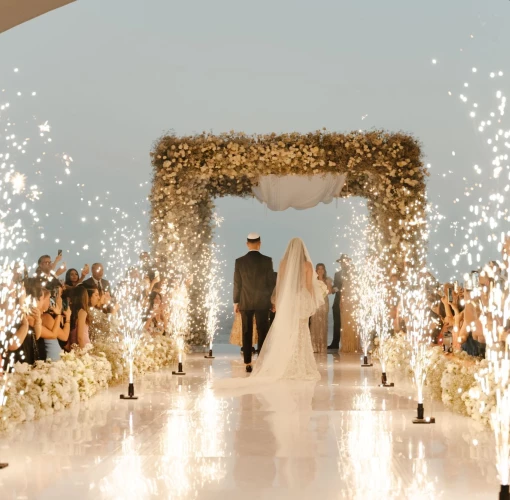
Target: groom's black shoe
[[333, 348], [249, 368]]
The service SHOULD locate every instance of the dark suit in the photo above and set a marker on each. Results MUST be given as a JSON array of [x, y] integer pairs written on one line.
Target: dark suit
[[253, 285], [337, 283], [105, 284]]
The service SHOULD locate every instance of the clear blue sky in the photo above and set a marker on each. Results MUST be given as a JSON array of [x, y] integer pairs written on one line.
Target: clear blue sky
[[112, 76]]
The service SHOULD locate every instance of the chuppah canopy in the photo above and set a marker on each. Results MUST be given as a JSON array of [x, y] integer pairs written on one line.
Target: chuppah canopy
[[15, 12], [298, 191]]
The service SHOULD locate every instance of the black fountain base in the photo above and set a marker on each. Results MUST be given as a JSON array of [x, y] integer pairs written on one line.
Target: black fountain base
[[131, 392], [421, 419], [384, 381], [365, 362], [179, 370]]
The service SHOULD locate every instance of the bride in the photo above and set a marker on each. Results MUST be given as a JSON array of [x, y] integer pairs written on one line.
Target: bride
[[287, 352]]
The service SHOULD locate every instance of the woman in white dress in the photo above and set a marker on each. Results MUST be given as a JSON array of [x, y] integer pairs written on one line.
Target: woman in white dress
[[287, 353]]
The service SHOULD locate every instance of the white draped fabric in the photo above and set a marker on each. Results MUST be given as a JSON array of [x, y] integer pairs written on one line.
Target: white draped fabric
[[298, 191]]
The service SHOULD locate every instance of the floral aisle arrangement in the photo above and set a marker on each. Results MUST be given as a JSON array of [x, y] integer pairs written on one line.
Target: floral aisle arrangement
[[47, 387], [452, 378], [189, 172]]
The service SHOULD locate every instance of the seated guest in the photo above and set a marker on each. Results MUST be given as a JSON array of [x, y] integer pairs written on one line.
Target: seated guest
[[156, 323], [97, 278], [56, 324], [73, 278], [24, 340], [81, 301]]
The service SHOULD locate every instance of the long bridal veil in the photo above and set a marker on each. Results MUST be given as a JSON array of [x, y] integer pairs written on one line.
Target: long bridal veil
[[287, 352], [296, 300]]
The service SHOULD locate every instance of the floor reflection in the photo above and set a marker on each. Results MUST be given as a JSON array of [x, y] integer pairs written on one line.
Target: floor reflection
[[342, 437], [368, 462]]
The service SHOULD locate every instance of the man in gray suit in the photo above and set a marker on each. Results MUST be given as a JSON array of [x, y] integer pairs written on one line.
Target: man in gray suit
[[253, 286]]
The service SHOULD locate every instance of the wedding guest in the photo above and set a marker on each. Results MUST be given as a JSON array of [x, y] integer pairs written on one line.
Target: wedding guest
[[56, 325], [348, 330], [23, 344], [236, 333], [102, 326], [319, 321], [97, 278], [146, 265], [46, 267], [156, 323], [80, 320], [337, 285], [73, 278]]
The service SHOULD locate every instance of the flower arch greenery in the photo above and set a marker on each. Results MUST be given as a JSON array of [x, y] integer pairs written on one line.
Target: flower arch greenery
[[190, 172]]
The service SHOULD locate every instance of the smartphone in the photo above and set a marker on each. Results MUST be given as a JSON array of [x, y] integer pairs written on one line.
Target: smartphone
[[456, 286], [65, 304], [475, 278], [450, 295], [60, 252], [52, 302]]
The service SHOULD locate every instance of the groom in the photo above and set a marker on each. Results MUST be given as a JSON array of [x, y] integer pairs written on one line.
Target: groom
[[253, 286]]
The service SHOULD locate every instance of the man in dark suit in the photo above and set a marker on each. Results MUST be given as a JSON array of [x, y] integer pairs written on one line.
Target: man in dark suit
[[253, 286], [337, 321], [97, 279]]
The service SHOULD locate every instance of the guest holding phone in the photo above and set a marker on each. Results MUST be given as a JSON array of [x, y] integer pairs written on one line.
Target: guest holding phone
[[56, 324]]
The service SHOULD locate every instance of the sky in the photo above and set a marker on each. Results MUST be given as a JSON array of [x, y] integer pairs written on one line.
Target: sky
[[111, 77]]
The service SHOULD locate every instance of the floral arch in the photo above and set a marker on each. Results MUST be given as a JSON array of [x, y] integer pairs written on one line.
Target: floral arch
[[189, 172]]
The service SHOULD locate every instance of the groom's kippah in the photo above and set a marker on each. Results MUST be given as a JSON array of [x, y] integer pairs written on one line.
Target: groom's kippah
[[253, 238]]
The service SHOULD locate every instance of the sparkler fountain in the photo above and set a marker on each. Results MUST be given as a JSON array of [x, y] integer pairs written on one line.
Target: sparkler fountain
[[381, 320], [416, 313], [17, 216], [493, 295], [213, 302], [496, 377], [179, 319], [365, 287], [131, 314]]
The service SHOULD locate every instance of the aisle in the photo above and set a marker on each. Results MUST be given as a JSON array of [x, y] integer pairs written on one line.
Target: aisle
[[337, 439]]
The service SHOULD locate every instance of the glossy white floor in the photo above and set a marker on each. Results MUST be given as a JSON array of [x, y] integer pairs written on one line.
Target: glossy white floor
[[340, 438]]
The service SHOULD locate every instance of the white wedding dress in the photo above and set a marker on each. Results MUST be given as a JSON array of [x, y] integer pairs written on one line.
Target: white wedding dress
[[287, 353]]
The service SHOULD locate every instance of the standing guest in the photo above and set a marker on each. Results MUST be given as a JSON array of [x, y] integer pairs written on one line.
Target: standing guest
[[80, 319], [146, 265], [97, 279], [337, 286], [30, 329], [56, 325], [156, 323], [102, 327], [319, 321], [348, 330], [46, 267], [73, 278]]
